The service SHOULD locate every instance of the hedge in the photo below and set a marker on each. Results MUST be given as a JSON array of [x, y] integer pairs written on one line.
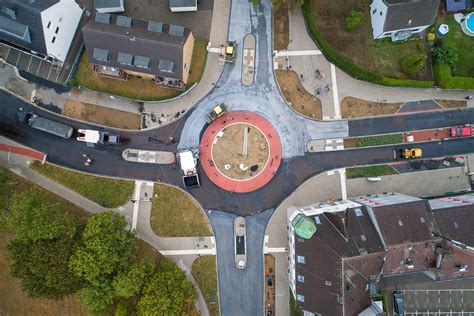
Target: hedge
[[346, 65], [443, 77]]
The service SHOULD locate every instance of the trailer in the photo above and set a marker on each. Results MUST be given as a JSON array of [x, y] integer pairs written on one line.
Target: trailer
[[44, 125]]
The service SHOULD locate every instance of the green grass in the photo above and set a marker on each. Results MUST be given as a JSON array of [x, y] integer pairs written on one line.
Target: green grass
[[370, 171], [107, 192], [175, 214], [204, 272], [465, 46], [379, 140]]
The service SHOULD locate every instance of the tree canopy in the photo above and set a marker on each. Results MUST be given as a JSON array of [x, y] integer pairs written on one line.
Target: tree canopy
[[445, 55], [130, 283]]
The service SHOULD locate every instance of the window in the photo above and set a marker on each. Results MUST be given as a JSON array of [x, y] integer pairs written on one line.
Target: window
[[57, 30], [53, 40], [415, 30], [375, 11], [363, 237], [300, 240], [301, 259], [328, 283], [358, 212], [400, 223], [300, 278], [49, 25], [456, 225], [300, 298], [380, 13], [318, 221]]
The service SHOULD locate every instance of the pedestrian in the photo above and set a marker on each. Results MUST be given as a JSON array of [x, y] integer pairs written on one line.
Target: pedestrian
[[318, 90], [328, 88], [302, 77], [318, 74]]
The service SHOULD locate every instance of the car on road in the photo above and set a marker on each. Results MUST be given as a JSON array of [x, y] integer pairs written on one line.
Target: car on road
[[409, 153], [398, 303], [94, 137], [240, 244], [216, 112], [461, 131]]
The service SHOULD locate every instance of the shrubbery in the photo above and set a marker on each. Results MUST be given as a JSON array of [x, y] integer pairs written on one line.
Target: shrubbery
[[443, 77], [354, 20], [445, 55], [413, 63]]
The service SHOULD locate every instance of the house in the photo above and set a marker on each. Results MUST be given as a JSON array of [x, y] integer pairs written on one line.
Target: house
[[43, 27], [109, 6], [362, 242], [119, 46], [459, 5], [183, 5], [400, 19]]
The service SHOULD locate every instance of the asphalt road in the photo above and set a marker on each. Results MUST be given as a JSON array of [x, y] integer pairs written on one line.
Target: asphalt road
[[108, 160]]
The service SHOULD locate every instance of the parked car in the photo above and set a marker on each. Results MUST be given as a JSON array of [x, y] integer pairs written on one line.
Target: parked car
[[398, 303], [461, 131]]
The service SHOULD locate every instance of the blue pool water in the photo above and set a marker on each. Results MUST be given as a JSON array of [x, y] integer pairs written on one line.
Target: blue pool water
[[470, 22]]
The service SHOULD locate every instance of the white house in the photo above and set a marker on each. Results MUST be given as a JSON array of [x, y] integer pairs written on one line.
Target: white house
[[183, 5], [400, 19], [47, 27], [109, 6]]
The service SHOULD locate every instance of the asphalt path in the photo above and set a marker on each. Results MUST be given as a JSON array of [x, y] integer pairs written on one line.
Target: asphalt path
[[292, 173]]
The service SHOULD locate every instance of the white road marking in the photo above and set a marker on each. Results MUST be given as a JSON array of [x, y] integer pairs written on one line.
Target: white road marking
[[136, 198], [273, 249], [211, 251], [298, 53], [342, 176], [29, 64], [335, 95], [214, 50]]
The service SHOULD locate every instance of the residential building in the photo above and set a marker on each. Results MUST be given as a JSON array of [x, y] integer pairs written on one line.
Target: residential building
[[109, 6], [183, 5], [363, 241], [400, 19], [42, 27], [119, 46], [459, 5]]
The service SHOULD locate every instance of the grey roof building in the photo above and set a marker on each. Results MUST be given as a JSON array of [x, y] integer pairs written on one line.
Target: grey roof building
[[120, 46], [109, 6], [183, 5]]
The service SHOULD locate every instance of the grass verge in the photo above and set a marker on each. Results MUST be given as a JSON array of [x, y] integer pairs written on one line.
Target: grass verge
[[464, 45], [373, 141], [353, 107], [204, 272], [369, 171], [104, 191], [281, 26], [175, 214]]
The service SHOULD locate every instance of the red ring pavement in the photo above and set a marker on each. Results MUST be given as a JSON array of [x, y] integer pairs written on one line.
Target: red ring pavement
[[262, 178]]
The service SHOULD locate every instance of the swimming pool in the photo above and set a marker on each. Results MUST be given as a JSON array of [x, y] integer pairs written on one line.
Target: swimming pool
[[470, 22]]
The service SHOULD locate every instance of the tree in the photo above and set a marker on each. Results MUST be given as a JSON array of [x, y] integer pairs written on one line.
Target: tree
[[130, 283], [34, 219], [167, 292], [445, 55], [413, 63], [106, 248], [354, 20], [96, 297], [277, 3]]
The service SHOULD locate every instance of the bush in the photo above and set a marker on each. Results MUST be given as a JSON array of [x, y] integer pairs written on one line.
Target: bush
[[443, 77], [413, 63], [347, 66], [445, 55], [354, 20]]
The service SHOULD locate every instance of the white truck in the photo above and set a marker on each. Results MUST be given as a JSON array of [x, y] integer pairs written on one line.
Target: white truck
[[98, 137], [188, 163]]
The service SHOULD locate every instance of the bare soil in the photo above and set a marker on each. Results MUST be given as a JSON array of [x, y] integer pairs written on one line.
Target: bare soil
[[450, 104], [101, 115], [229, 150], [297, 97], [354, 107], [281, 28]]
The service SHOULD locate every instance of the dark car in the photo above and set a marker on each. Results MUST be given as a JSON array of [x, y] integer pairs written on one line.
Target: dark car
[[398, 303]]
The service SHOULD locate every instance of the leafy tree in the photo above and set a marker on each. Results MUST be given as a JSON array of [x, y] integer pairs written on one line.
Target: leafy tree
[[277, 3], [42, 266], [34, 218], [98, 296], [167, 292], [121, 310], [106, 248], [445, 55], [413, 63], [354, 20], [130, 283]]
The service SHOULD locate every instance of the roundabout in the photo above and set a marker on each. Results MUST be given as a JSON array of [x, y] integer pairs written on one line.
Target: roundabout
[[240, 151]]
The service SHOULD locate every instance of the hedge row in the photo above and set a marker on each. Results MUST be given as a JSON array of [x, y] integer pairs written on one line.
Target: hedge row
[[346, 65], [443, 77]]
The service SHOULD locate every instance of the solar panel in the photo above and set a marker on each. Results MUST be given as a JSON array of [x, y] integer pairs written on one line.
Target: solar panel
[[176, 30], [125, 59], [100, 54], [166, 65], [15, 28], [141, 61], [102, 18], [124, 21], [155, 27]]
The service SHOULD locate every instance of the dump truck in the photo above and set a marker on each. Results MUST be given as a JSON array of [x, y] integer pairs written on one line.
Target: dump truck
[[98, 137], [44, 125], [216, 112], [461, 131], [188, 163], [409, 153], [230, 52]]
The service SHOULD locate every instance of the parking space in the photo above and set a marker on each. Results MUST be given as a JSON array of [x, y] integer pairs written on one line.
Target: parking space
[[30, 63]]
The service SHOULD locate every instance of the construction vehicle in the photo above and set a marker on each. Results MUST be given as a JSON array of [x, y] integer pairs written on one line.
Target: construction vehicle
[[216, 112], [98, 137], [188, 163], [461, 131], [230, 50], [43, 124], [410, 153]]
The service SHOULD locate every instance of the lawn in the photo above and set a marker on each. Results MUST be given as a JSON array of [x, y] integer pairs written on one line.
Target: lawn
[[465, 46], [205, 273], [370, 171], [107, 192], [134, 87], [175, 214], [281, 36], [381, 56], [353, 107]]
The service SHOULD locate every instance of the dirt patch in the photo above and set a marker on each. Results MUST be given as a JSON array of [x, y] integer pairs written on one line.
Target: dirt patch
[[281, 28], [227, 152], [297, 97], [450, 104], [354, 107], [101, 115]]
